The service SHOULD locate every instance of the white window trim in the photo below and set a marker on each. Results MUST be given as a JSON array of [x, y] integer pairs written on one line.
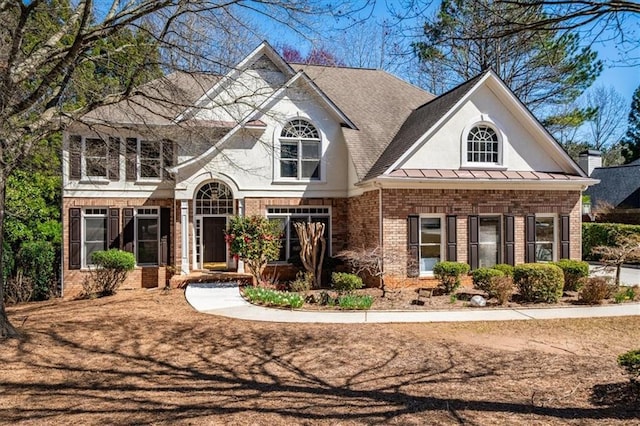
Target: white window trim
[[136, 216], [443, 244], [500, 236], [139, 177], [484, 120], [84, 261], [277, 178], [554, 247], [288, 216], [83, 161]]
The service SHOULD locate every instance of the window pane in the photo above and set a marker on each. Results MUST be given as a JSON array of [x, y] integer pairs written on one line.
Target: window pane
[[147, 228], [149, 149], [311, 150], [487, 255], [147, 252], [544, 252], [430, 230], [95, 148], [96, 229], [91, 248], [289, 150], [289, 168], [311, 169], [96, 167], [149, 168], [544, 229], [429, 256]]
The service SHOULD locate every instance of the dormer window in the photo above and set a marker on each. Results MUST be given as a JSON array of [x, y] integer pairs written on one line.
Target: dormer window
[[483, 145], [300, 148]]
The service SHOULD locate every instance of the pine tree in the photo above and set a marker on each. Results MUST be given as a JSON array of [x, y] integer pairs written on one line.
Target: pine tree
[[631, 140]]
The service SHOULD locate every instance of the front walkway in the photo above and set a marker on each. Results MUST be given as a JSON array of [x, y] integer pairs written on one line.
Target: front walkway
[[224, 299]]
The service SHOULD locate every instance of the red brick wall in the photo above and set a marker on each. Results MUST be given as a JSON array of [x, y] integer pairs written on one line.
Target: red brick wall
[[400, 203], [141, 277], [364, 224]]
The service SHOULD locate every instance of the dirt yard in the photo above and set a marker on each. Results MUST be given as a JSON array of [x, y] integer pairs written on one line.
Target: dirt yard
[[145, 357]]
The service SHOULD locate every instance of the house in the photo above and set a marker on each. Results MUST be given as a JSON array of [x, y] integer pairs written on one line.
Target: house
[[619, 189], [469, 176]]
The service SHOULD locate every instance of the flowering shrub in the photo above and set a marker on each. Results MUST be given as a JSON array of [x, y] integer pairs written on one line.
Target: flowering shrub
[[255, 240]]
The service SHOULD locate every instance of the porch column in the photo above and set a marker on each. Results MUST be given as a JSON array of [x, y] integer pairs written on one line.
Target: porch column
[[240, 213], [184, 225]]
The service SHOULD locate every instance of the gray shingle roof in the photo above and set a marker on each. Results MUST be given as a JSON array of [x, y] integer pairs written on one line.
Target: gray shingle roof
[[375, 101], [617, 183], [417, 124]]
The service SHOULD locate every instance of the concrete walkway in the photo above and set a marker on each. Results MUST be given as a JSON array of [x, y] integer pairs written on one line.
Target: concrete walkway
[[224, 299]]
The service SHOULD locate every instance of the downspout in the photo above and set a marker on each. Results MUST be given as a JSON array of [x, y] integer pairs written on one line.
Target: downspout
[[380, 229]]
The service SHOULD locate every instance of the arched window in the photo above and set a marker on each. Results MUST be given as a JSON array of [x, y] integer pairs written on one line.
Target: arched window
[[483, 145], [214, 198], [300, 151]]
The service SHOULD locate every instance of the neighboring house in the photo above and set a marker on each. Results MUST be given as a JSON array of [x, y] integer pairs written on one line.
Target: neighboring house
[[469, 176]]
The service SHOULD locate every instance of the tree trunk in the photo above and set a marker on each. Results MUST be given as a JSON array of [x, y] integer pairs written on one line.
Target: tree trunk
[[7, 330], [311, 237]]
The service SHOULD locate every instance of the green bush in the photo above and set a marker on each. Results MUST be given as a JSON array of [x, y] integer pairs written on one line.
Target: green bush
[[482, 277], [596, 289], [505, 268], [112, 267], [539, 282], [345, 282], [627, 294], [603, 234], [355, 301], [501, 288], [37, 261], [575, 271], [302, 283], [268, 297], [449, 273], [630, 361]]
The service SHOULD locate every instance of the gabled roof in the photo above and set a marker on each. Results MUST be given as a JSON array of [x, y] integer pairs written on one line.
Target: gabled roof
[[618, 184], [417, 124]]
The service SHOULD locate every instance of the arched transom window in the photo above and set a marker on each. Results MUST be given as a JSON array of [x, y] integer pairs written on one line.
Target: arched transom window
[[300, 151], [483, 145], [214, 198]]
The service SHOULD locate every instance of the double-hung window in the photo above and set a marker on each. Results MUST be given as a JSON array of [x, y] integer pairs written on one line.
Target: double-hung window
[[431, 243], [545, 238], [95, 233], [300, 150], [96, 152], [149, 159], [288, 216], [488, 241], [147, 236]]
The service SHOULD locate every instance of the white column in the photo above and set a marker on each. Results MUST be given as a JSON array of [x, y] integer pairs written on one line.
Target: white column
[[240, 213], [184, 224]]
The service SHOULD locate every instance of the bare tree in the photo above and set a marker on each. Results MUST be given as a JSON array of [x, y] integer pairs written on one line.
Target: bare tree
[[607, 124], [627, 249], [39, 63]]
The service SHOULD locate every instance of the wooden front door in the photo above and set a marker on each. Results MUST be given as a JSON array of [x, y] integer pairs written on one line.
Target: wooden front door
[[214, 246]]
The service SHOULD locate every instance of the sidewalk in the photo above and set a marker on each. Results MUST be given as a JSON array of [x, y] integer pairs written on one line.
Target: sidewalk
[[225, 300]]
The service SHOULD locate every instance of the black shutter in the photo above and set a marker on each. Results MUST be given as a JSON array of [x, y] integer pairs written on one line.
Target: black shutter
[[167, 158], [452, 252], [165, 238], [131, 154], [413, 242], [113, 228], [474, 238], [114, 159], [530, 236], [509, 240], [75, 148], [564, 237], [128, 230], [75, 239]]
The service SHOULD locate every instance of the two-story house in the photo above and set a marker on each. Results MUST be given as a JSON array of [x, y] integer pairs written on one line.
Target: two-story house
[[469, 175]]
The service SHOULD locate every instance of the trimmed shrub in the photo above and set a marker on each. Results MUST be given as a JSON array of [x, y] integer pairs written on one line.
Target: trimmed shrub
[[603, 234], [449, 273], [344, 282], [505, 268], [539, 282], [575, 271], [630, 361], [268, 297], [596, 289], [355, 301], [501, 288], [112, 267], [482, 277]]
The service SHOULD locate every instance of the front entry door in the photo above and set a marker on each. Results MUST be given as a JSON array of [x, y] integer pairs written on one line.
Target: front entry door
[[214, 250]]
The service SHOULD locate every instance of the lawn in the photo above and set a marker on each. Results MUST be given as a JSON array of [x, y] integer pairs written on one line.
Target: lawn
[[146, 357]]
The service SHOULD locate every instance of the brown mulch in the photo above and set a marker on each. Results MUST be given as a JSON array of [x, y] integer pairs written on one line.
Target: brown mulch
[[146, 357]]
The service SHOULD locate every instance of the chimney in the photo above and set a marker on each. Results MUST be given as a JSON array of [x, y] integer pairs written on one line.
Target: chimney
[[589, 160]]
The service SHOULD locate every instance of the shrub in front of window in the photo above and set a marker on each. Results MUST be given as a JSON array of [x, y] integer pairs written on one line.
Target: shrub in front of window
[[111, 269], [575, 271], [501, 288], [596, 289], [482, 277], [630, 361], [255, 240], [539, 282], [505, 268], [449, 273], [344, 282]]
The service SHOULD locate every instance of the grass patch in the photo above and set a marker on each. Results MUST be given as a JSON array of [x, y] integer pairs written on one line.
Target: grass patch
[[268, 297]]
